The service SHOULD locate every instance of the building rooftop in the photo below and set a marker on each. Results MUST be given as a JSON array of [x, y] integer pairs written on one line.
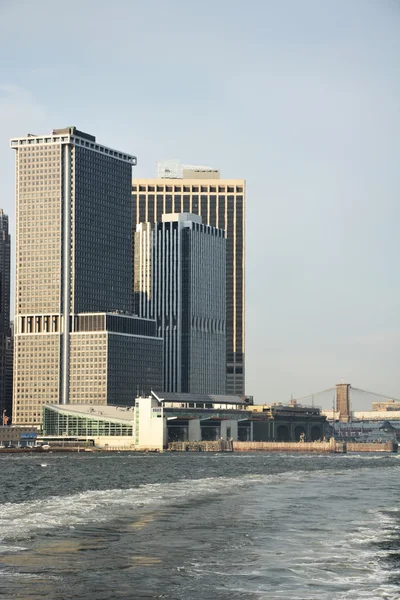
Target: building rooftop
[[168, 217], [174, 169], [71, 135], [376, 415], [207, 398], [99, 411]]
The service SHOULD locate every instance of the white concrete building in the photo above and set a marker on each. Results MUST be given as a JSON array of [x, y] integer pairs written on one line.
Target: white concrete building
[[153, 422]]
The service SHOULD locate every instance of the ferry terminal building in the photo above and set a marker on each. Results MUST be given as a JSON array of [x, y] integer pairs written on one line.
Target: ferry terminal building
[[164, 417]]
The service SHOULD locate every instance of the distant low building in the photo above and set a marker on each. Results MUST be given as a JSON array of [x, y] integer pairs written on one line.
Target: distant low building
[[365, 415], [388, 405], [288, 423], [17, 436]]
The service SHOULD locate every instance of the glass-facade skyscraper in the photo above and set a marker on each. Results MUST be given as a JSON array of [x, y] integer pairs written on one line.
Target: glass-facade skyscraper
[[5, 331], [221, 203], [180, 281]]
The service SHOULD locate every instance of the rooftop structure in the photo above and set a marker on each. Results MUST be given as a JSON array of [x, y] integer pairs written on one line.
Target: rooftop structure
[[174, 169], [115, 414], [209, 401]]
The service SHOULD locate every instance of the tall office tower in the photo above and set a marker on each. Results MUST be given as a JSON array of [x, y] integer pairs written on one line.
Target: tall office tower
[[5, 333], [73, 256], [180, 280], [221, 203]]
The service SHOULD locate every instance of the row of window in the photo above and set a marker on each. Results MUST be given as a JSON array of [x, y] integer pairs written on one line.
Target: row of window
[[188, 188]]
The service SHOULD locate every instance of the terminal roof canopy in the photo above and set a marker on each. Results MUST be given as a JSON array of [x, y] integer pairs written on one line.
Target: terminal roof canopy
[[180, 397]]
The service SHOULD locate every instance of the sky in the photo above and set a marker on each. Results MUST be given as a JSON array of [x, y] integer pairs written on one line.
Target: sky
[[299, 97]]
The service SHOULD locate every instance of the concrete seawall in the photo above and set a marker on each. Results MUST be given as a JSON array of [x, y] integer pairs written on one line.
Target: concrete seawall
[[318, 447], [333, 446], [217, 446], [373, 447]]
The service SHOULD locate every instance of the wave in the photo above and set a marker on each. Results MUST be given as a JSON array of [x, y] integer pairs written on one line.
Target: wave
[[20, 521]]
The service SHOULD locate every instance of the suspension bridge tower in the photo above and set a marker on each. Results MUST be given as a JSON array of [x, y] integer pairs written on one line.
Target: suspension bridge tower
[[343, 401]]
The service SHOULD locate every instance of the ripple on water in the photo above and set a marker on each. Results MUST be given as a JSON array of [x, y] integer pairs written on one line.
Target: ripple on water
[[199, 527]]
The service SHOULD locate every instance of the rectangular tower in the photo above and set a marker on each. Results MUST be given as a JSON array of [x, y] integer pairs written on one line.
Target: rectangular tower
[[5, 332], [221, 204], [343, 401], [73, 254], [180, 281]]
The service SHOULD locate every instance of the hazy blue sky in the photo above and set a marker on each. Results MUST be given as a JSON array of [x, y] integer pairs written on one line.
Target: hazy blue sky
[[300, 97]]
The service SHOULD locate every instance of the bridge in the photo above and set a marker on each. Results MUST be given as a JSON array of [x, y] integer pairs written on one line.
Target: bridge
[[341, 396]]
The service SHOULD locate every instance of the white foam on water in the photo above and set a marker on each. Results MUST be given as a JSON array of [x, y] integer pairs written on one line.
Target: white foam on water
[[18, 575], [382, 527], [347, 566], [355, 566], [20, 520], [4, 549]]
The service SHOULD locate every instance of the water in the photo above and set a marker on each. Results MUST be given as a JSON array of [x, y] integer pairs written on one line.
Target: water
[[199, 526]]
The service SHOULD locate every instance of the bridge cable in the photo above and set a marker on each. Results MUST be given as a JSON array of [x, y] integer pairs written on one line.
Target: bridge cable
[[374, 394], [315, 394]]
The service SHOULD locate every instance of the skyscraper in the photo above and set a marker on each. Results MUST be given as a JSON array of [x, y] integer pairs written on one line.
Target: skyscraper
[[221, 203], [5, 332], [73, 256], [180, 281]]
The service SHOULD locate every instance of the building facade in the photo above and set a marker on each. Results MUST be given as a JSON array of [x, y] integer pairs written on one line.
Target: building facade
[[153, 422], [5, 330], [73, 255], [104, 426], [388, 405], [221, 204], [180, 281]]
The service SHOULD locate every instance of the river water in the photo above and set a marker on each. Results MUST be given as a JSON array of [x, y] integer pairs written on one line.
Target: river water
[[199, 526]]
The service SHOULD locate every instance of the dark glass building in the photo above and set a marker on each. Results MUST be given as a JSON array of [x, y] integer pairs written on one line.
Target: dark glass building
[[180, 281], [5, 331]]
